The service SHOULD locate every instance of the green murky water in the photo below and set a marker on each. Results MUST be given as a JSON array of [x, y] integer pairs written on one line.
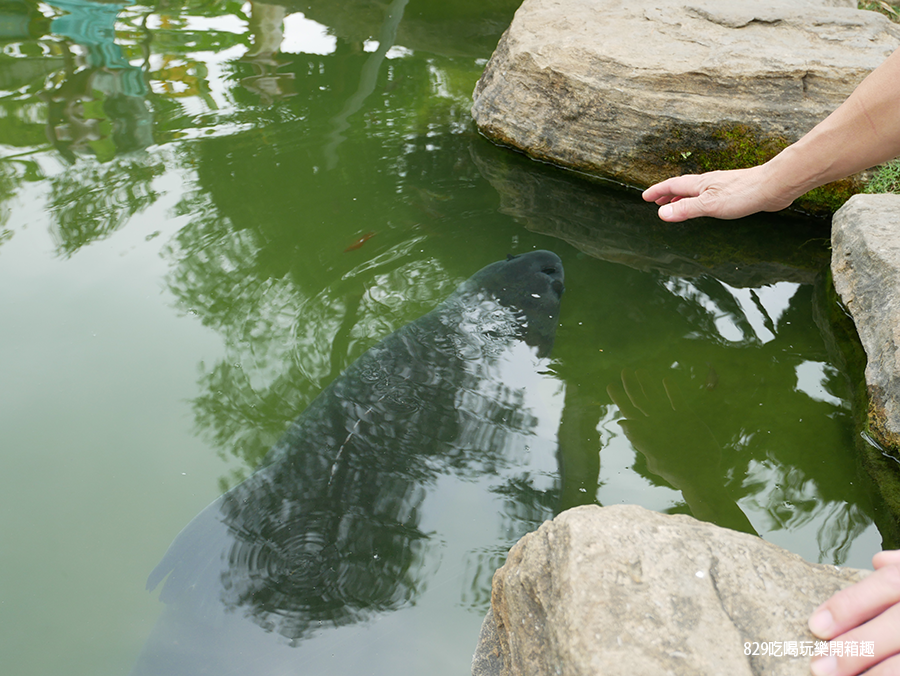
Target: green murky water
[[209, 209]]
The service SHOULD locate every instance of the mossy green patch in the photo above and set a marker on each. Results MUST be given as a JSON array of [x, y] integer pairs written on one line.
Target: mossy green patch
[[830, 197], [890, 9], [885, 179], [740, 146]]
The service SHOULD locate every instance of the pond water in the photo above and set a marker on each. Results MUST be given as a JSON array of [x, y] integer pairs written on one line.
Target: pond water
[[209, 209]]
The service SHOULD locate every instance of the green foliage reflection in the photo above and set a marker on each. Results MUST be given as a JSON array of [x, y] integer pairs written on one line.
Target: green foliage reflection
[[332, 191]]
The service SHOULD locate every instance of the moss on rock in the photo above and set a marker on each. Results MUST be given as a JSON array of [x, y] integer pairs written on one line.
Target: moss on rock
[[735, 145]]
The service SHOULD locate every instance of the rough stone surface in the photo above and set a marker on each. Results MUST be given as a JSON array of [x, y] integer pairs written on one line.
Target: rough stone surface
[[641, 90], [623, 590], [865, 263]]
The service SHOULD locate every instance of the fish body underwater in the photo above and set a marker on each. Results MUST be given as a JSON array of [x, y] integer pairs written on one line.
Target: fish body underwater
[[326, 532]]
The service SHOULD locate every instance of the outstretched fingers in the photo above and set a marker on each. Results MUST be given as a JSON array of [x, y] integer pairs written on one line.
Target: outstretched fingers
[[889, 557], [721, 194], [679, 198], [673, 189], [857, 604], [868, 611], [877, 652]]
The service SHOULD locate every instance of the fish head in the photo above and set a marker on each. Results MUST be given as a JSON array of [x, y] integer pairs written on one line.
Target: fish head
[[531, 286]]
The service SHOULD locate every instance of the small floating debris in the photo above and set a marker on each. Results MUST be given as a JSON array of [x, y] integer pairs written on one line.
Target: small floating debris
[[358, 243]]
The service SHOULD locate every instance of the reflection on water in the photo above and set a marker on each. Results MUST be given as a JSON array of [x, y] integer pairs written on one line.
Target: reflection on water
[[758, 309], [319, 185], [328, 530], [99, 104]]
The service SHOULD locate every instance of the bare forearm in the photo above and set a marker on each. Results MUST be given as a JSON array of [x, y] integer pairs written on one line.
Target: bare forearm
[[863, 132]]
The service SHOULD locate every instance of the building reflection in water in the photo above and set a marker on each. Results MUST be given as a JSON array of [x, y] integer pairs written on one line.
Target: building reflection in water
[[101, 104], [267, 28]]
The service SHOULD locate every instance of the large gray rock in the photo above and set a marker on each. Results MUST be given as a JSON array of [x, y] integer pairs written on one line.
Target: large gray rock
[[642, 90], [865, 263], [623, 590]]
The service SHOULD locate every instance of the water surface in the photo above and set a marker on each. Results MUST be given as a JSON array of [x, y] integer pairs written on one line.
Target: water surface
[[208, 210]]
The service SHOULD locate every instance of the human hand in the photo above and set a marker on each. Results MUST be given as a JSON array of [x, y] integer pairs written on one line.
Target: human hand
[[866, 611], [720, 194]]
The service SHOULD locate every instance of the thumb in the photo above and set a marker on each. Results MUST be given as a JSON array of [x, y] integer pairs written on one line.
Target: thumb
[[682, 210]]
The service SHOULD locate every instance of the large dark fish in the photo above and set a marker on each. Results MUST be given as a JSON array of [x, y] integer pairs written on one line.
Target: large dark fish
[[326, 531]]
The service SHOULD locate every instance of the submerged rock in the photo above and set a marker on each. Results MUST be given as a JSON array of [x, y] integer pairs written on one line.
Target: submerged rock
[[641, 91], [610, 223], [623, 590]]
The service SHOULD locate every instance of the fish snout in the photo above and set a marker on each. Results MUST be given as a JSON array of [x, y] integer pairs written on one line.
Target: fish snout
[[552, 267]]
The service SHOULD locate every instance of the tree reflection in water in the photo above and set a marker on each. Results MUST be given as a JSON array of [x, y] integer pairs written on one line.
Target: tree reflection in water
[[260, 209], [327, 530], [215, 106]]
